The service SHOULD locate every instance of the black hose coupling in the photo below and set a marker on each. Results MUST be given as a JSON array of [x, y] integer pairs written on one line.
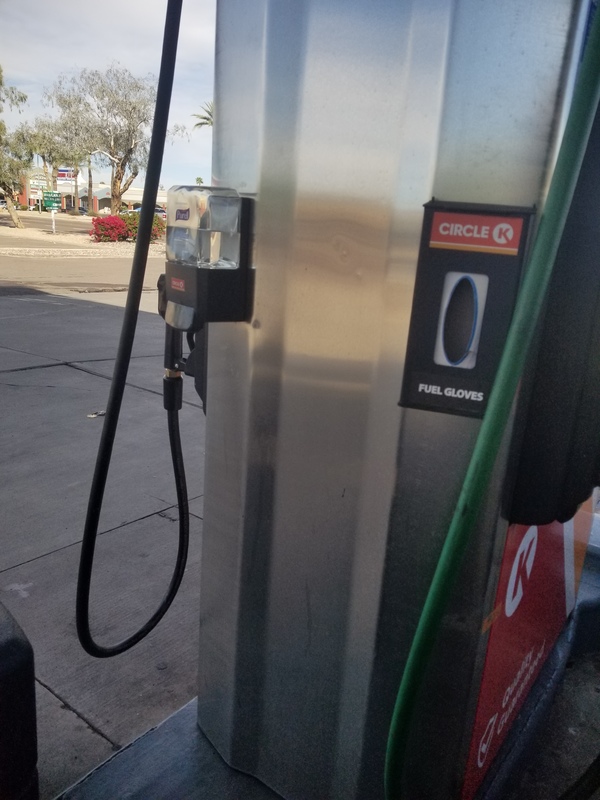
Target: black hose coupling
[[172, 390]]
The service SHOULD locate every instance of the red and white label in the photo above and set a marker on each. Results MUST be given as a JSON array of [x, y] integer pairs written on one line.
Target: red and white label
[[476, 232], [537, 586], [531, 611], [178, 284]]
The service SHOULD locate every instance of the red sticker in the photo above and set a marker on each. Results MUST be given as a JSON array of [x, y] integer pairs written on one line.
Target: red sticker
[[178, 284], [530, 611], [476, 232]]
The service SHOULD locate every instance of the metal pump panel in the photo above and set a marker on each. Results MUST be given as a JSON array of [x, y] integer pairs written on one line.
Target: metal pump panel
[[326, 503]]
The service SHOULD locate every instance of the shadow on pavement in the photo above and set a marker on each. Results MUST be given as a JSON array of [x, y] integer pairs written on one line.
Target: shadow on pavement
[[56, 361]]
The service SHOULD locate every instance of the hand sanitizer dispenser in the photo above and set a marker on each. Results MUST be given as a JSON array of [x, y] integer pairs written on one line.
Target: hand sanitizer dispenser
[[208, 254]]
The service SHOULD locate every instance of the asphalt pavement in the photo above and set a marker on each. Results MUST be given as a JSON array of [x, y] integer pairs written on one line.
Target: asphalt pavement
[[57, 350], [64, 223], [68, 263]]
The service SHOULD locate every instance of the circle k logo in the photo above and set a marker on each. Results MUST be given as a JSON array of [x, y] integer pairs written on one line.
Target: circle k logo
[[503, 233], [485, 741], [521, 571]]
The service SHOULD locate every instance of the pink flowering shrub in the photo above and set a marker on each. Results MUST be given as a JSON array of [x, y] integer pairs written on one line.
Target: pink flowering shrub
[[108, 229], [123, 228]]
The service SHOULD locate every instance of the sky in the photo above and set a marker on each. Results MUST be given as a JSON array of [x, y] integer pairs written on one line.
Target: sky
[[41, 40]]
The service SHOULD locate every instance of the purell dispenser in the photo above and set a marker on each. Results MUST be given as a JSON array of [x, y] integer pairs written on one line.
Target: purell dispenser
[[208, 245]]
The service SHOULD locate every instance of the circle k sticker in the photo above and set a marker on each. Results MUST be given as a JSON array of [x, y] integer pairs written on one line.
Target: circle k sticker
[[521, 570], [485, 741], [480, 233], [503, 233]]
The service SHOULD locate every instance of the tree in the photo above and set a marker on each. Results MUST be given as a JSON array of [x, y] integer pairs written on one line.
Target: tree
[[73, 152], [10, 94], [205, 120], [110, 114], [44, 138], [56, 143], [15, 158], [90, 192], [199, 181]]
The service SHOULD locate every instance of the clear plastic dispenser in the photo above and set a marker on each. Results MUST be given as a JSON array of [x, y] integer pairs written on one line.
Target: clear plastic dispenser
[[208, 240]]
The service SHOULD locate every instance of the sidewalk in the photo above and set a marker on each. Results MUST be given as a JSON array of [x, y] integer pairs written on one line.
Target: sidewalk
[[56, 360]]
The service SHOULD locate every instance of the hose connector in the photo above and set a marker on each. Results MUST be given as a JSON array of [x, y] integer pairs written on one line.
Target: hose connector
[[172, 390]]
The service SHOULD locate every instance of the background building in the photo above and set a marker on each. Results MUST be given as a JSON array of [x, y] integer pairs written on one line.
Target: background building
[[35, 183]]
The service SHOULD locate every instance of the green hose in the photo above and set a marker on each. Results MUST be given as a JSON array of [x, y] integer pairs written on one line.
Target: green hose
[[527, 312]]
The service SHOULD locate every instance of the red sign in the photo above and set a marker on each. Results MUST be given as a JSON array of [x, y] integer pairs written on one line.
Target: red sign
[[178, 284], [476, 232], [536, 591]]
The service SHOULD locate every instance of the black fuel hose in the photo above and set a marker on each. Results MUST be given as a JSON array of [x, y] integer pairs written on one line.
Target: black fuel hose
[[136, 283]]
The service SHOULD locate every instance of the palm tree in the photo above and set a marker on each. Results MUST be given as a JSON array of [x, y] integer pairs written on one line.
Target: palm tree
[[205, 120]]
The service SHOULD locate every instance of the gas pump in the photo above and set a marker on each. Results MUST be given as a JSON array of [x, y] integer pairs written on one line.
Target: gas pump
[[346, 331]]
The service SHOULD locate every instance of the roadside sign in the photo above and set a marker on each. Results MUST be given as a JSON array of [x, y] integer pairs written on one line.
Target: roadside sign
[[52, 200], [38, 180]]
